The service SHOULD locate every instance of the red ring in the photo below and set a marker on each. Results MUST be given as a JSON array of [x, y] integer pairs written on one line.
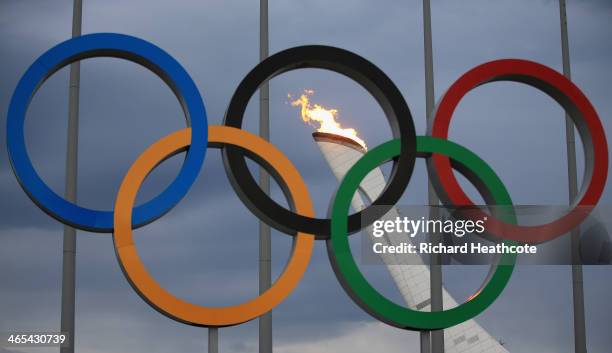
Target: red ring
[[575, 103]]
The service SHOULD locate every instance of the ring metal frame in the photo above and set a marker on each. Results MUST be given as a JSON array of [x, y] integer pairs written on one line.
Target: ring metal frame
[[357, 286], [158, 297], [579, 109], [374, 81], [105, 45]]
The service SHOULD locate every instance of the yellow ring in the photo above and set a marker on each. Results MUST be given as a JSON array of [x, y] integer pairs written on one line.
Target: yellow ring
[[150, 290]]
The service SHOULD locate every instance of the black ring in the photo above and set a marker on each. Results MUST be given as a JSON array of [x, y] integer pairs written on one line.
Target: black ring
[[376, 82]]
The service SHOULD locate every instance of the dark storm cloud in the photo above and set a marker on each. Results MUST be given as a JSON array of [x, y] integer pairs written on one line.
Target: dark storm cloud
[[124, 109]]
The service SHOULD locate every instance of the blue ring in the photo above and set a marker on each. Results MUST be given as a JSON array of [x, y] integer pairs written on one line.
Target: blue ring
[[106, 45]]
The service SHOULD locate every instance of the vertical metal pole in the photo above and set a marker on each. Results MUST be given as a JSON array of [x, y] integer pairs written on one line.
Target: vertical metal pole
[[69, 253], [265, 246], [577, 285], [213, 340], [425, 341], [437, 336], [69, 246]]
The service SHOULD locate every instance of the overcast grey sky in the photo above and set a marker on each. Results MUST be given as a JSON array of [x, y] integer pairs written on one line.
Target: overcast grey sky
[[205, 250]]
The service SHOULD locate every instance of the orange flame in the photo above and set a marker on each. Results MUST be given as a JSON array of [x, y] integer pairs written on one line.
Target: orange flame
[[325, 117]]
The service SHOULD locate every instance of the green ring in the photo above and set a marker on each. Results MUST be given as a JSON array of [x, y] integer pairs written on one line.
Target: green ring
[[356, 285]]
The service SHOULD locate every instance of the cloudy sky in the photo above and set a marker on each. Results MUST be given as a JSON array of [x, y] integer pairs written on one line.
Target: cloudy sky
[[205, 250]]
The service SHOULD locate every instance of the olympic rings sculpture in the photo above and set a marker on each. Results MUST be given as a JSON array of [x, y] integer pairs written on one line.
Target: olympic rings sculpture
[[441, 155]]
